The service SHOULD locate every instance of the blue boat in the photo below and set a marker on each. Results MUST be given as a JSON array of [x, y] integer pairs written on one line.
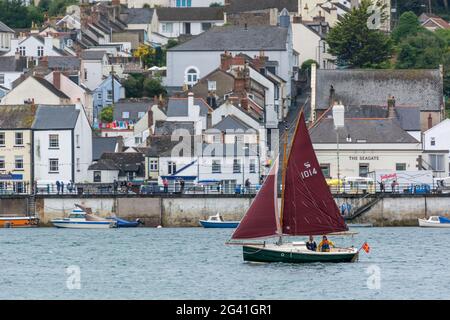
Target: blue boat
[[122, 223], [218, 222]]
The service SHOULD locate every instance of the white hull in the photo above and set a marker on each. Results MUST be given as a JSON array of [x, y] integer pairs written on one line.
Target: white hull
[[432, 224], [82, 225]]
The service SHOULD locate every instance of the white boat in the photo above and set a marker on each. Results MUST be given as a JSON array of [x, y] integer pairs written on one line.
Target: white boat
[[217, 221], [79, 219], [435, 222]]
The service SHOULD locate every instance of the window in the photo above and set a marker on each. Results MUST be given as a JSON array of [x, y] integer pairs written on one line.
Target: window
[[2, 138], [109, 95], [191, 76], [53, 141], [97, 176], [216, 166], [99, 95], [137, 140], [2, 78], [141, 114], [125, 115], [206, 26], [85, 74], [53, 165], [252, 166], [212, 86], [433, 141], [130, 175], [40, 51], [78, 165], [2, 163], [437, 162], [363, 169], [19, 139], [22, 51], [325, 167], [19, 187], [77, 140], [18, 163], [167, 27], [400, 166], [236, 166], [171, 167], [153, 165]]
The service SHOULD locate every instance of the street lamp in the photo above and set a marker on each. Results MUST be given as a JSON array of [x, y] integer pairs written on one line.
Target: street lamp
[[338, 119]]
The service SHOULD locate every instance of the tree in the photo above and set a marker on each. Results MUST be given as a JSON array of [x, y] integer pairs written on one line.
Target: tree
[[133, 86], [215, 4], [153, 87], [107, 114], [355, 44], [14, 14], [306, 65], [408, 24]]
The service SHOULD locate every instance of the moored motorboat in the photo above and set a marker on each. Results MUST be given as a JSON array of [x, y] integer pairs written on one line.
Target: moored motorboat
[[122, 223], [78, 219], [217, 221], [435, 222], [18, 221]]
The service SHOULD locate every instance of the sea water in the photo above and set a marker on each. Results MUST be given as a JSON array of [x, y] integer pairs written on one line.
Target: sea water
[[194, 263]]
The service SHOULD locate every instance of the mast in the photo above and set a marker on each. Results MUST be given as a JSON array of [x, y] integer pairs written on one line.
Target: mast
[[283, 178]]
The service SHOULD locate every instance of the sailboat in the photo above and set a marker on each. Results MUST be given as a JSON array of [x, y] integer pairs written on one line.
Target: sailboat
[[307, 209]]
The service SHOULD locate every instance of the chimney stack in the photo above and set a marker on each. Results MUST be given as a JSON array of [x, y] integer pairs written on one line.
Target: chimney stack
[[244, 103], [391, 107], [57, 79], [190, 101]]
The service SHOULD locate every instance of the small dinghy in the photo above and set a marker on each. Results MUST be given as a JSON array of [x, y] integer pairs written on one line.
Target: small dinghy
[[218, 222], [435, 222], [122, 223]]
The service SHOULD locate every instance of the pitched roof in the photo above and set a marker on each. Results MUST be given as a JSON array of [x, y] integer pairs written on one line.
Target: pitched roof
[[16, 117], [5, 28], [169, 127], [231, 122], [178, 107], [236, 6], [12, 64], [92, 54], [127, 162], [101, 145], [236, 38], [51, 87], [190, 14], [64, 62], [139, 15], [56, 117], [421, 88], [160, 146], [104, 164], [134, 107]]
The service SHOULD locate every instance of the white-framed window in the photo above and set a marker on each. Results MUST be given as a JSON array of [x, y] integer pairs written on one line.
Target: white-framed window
[[77, 140], [97, 176], [212, 85], [22, 51], [192, 76], [141, 114], [2, 162], [433, 141], [53, 165], [206, 26], [2, 78], [137, 140], [78, 165], [437, 162], [216, 166], [85, 74], [99, 95], [237, 166], [18, 162], [40, 51], [167, 27], [252, 166], [325, 167], [171, 167], [2, 138], [109, 95], [53, 141], [19, 139], [153, 165], [125, 115]]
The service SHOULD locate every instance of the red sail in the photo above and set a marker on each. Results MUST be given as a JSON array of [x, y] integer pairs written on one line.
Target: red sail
[[309, 208], [262, 218]]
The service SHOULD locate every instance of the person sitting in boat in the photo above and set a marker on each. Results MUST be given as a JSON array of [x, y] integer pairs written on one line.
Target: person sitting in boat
[[311, 244], [325, 245]]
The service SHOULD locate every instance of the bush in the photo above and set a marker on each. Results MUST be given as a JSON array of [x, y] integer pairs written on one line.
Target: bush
[[107, 114]]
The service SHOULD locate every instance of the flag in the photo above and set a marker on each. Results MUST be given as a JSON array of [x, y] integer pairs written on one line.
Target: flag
[[366, 247]]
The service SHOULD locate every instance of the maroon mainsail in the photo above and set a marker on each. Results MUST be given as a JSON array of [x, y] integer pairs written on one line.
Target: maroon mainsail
[[309, 208], [262, 218]]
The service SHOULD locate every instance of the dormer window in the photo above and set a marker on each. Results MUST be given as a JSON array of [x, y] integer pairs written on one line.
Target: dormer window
[[192, 76], [433, 141]]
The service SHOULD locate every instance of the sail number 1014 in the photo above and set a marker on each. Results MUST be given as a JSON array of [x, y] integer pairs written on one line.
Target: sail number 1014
[[308, 173]]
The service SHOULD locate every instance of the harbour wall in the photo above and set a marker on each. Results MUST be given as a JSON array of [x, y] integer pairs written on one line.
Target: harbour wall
[[186, 210]]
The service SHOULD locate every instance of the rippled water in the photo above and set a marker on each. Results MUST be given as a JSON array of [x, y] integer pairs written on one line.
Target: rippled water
[[194, 263]]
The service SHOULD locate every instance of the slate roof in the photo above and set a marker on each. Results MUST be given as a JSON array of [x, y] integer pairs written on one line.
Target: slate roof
[[16, 117], [101, 145], [236, 6], [5, 28], [178, 107], [51, 87], [92, 54], [55, 117], [421, 88], [236, 38], [65, 62], [127, 162], [131, 106], [190, 14], [231, 122], [139, 15], [160, 146], [11, 64], [169, 127], [104, 164]]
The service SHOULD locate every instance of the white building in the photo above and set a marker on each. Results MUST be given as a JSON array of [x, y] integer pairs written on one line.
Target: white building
[[6, 34], [34, 46], [92, 64], [11, 68], [436, 144], [170, 3], [62, 144]]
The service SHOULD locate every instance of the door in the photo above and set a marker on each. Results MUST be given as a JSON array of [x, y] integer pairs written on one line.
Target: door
[[187, 28]]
